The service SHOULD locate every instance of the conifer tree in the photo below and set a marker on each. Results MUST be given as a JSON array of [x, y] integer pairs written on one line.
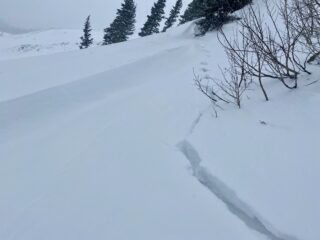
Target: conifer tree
[[214, 13], [217, 12], [195, 10], [174, 14], [154, 19], [123, 25], [86, 39]]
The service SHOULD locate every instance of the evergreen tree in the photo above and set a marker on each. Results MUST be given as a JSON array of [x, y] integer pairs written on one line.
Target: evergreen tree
[[174, 14], [195, 10], [154, 19], [213, 12], [217, 12], [86, 39], [123, 25]]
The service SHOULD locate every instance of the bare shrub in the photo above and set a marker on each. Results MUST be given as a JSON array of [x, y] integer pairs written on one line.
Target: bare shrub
[[230, 88], [277, 45], [242, 54], [306, 20]]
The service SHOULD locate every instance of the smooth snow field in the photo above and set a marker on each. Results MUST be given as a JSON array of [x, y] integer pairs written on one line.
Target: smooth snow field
[[116, 143]]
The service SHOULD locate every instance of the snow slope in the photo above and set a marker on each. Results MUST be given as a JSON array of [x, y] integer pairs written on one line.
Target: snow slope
[[13, 46], [273, 167], [116, 143]]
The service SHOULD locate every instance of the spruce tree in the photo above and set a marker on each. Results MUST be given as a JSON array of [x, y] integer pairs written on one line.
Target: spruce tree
[[154, 19], [214, 13], [196, 9], [217, 12], [86, 39], [174, 14], [123, 25]]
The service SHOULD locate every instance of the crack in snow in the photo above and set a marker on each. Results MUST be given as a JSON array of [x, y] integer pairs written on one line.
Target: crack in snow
[[197, 121], [235, 205]]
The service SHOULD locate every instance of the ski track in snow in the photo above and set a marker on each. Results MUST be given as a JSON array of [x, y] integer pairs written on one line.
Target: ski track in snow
[[235, 205]]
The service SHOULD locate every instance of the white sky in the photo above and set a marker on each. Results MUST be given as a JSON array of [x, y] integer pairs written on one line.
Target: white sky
[[41, 14]]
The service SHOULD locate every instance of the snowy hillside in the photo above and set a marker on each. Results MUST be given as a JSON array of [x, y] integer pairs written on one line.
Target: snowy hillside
[[41, 43], [117, 143]]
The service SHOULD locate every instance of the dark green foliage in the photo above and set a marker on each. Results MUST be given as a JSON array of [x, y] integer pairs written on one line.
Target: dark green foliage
[[154, 19], [123, 25], [196, 9], [218, 12], [86, 39], [214, 13], [174, 14]]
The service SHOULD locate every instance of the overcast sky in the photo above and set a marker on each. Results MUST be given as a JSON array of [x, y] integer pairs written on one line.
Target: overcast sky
[[43, 14]]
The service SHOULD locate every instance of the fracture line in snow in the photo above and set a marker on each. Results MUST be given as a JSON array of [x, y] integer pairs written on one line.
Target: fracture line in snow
[[196, 122], [235, 205]]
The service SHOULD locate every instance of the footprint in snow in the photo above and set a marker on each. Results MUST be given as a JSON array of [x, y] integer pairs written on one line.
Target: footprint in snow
[[204, 70], [263, 123]]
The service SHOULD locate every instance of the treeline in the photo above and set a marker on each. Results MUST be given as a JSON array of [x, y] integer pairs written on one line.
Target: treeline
[[211, 14]]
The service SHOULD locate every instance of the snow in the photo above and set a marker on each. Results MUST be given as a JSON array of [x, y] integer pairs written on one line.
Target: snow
[[273, 167], [116, 142], [14, 46]]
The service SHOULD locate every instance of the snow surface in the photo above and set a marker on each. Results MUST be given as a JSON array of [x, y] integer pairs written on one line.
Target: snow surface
[[116, 143], [13, 46]]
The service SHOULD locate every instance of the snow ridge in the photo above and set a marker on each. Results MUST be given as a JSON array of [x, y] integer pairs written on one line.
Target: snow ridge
[[235, 205]]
